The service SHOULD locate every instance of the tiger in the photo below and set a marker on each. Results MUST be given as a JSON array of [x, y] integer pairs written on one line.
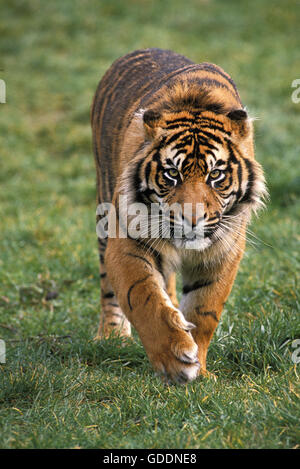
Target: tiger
[[166, 130]]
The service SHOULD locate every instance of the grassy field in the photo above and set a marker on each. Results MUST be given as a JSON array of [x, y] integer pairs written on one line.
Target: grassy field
[[58, 389]]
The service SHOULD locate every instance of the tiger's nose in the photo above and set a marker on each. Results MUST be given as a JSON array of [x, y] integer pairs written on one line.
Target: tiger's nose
[[194, 219]]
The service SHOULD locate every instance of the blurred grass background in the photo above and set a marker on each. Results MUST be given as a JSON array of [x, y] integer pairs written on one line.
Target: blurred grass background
[[57, 387]]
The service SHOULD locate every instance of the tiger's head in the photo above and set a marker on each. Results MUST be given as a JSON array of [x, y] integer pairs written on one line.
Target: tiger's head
[[203, 160]]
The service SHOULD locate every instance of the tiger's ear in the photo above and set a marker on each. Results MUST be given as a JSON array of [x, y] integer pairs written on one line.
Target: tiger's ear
[[237, 115], [240, 122], [152, 121]]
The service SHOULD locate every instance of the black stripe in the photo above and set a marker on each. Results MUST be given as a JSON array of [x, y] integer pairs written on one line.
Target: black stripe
[[163, 80], [235, 160], [213, 83], [212, 124], [240, 177], [102, 241], [195, 286], [230, 150], [214, 127], [232, 210], [181, 123], [180, 120], [182, 144], [145, 195], [203, 142], [131, 288], [251, 177], [187, 68], [203, 122], [148, 171], [139, 257], [156, 254], [211, 68], [211, 136], [124, 65], [156, 156], [225, 188], [136, 178], [109, 295], [167, 141], [207, 313], [219, 161], [147, 299]]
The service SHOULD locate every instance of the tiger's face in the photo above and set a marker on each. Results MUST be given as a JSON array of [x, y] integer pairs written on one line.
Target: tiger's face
[[202, 163]]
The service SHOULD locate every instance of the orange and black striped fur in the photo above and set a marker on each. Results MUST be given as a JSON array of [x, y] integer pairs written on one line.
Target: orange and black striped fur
[[167, 130]]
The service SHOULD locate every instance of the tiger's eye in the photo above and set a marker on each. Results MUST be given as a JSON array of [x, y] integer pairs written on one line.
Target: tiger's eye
[[173, 172], [215, 173]]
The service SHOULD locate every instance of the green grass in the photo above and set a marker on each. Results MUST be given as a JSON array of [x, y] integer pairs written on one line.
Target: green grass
[[58, 389]]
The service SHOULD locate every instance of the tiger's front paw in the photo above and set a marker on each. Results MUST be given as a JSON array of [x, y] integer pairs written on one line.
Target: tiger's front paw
[[171, 349]]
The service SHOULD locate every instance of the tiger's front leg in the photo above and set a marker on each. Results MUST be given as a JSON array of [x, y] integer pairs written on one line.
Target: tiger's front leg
[[162, 328], [204, 295]]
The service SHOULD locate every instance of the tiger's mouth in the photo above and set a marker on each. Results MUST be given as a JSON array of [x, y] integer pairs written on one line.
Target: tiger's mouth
[[195, 243], [197, 238], [193, 235]]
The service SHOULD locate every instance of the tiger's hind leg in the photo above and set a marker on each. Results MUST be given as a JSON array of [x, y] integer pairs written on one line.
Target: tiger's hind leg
[[112, 319]]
